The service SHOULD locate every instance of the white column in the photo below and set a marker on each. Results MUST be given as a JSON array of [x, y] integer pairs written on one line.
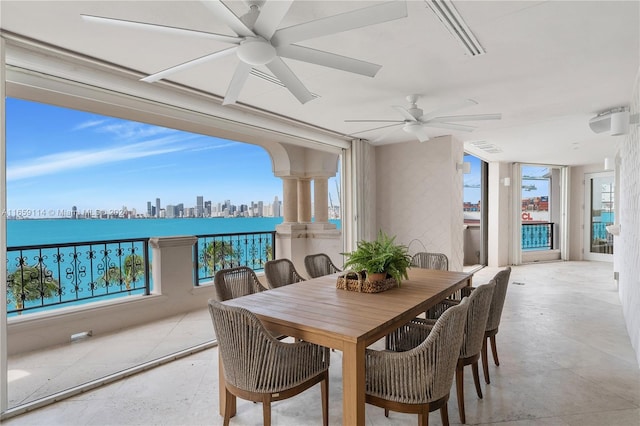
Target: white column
[[304, 201], [4, 399], [320, 199], [290, 200]]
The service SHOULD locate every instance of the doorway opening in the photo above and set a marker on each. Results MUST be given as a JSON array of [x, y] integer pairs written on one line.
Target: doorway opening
[[599, 213]]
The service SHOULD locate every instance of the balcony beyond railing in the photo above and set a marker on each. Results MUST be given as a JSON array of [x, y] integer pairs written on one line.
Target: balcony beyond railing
[[48, 275], [537, 236], [219, 251]]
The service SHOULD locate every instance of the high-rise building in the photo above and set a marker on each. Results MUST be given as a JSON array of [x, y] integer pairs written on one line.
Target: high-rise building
[[276, 207], [149, 209], [157, 207], [207, 209], [199, 205]]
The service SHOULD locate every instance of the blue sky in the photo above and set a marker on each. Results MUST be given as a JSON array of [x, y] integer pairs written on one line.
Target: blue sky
[[530, 187], [58, 158]]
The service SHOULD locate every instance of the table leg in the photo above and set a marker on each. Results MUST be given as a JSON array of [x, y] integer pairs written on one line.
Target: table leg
[[221, 390], [353, 384]]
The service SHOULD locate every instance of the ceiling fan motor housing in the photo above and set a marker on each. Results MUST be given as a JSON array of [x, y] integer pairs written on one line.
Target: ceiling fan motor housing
[[256, 51]]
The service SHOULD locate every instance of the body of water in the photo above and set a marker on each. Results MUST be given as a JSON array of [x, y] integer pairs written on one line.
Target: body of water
[[52, 231], [81, 272]]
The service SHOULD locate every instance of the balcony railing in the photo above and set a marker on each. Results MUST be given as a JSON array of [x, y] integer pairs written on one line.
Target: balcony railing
[[48, 275], [219, 251], [537, 236]]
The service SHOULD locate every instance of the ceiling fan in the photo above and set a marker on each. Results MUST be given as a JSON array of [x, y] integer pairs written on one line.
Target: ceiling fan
[[416, 121], [258, 41]]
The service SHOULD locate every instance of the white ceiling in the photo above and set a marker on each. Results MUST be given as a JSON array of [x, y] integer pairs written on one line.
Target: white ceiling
[[550, 66]]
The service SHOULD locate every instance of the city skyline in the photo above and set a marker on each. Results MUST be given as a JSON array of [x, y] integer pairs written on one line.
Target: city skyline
[[58, 158]]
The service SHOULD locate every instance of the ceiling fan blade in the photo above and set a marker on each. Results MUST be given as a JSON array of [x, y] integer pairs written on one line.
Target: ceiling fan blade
[[162, 28], [327, 59], [449, 107], [421, 134], [449, 126], [373, 121], [212, 56], [271, 14], [343, 22], [404, 112], [386, 134], [237, 83], [290, 80], [230, 18], [375, 128], [476, 117]]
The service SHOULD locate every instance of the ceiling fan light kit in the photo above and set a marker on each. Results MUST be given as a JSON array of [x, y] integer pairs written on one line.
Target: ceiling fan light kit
[[259, 41], [416, 122]]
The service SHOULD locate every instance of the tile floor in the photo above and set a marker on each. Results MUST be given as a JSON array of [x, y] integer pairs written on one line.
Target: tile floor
[[564, 351]]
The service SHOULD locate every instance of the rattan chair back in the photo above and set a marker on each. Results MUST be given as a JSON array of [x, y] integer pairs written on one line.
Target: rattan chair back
[[319, 265], [427, 260], [281, 272], [236, 282], [423, 374], [499, 295], [259, 367], [479, 305]]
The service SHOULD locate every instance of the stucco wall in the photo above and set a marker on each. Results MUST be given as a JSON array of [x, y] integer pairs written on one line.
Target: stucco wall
[[419, 196], [628, 244]]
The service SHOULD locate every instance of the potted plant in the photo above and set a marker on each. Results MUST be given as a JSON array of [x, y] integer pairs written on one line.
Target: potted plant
[[382, 256]]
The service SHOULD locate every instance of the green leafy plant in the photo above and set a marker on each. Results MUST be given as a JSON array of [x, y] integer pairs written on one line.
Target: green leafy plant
[[29, 283], [381, 255]]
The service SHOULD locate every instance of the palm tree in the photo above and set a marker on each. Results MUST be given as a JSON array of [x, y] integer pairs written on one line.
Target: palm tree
[[29, 283], [218, 254], [112, 275], [131, 272], [133, 269]]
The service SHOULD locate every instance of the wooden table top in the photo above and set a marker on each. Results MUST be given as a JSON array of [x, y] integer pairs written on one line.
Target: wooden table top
[[317, 312]]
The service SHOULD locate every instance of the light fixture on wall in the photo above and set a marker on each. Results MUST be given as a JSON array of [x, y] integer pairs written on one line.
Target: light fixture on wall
[[465, 167], [608, 164], [506, 181]]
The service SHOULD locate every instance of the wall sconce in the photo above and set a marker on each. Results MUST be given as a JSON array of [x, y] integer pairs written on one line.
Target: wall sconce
[[465, 167], [608, 164], [506, 181]]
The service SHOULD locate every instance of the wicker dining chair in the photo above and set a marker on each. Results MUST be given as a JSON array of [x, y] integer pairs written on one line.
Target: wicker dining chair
[[281, 272], [318, 265], [474, 329], [419, 380], [501, 280], [426, 260], [495, 313], [257, 367], [235, 282]]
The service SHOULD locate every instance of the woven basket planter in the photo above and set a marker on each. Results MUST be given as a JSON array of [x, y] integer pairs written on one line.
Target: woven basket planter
[[354, 281]]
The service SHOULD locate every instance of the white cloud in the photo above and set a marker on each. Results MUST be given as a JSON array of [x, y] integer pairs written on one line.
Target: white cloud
[[75, 160], [210, 147], [88, 124]]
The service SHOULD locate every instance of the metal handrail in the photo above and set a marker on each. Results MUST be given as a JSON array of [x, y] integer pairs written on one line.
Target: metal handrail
[[213, 252], [46, 275]]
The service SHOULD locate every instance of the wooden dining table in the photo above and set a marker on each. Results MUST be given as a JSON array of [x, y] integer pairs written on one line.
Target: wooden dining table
[[317, 312]]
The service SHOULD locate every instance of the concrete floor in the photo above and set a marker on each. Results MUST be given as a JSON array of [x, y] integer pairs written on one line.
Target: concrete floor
[[565, 359]]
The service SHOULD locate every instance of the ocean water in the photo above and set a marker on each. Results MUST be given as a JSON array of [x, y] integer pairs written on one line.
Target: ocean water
[[52, 231], [75, 275]]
